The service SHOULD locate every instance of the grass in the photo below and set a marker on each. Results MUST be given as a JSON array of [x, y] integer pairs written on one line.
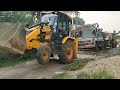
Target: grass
[[6, 60], [99, 74], [78, 64], [113, 53], [118, 52], [63, 75]]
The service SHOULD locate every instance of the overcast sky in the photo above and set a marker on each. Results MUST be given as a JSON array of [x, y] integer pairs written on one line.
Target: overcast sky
[[108, 20]]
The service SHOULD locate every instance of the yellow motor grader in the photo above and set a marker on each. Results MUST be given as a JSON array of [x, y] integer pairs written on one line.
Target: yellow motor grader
[[53, 35]]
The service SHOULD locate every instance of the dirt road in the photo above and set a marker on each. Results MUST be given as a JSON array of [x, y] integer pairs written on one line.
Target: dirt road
[[30, 70], [33, 70]]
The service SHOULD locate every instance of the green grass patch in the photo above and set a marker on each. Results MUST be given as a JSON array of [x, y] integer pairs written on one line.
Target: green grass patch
[[63, 75], [99, 74], [118, 52], [113, 52], [7, 60], [78, 64]]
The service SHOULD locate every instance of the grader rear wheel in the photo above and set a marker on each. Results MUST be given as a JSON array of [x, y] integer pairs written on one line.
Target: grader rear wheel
[[66, 55], [43, 54]]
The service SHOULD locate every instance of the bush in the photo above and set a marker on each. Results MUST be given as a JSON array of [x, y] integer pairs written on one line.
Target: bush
[[7, 60], [16, 16]]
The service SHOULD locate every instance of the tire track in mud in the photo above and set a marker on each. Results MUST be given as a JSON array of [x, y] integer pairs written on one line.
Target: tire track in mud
[[31, 70]]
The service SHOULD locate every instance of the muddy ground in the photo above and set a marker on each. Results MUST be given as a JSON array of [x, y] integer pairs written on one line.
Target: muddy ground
[[33, 70]]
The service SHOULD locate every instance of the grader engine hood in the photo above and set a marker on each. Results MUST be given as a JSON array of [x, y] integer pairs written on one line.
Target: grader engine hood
[[12, 38]]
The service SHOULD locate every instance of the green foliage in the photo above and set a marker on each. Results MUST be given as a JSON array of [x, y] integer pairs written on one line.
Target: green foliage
[[62, 76], [79, 20], [7, 60], [78, 64], [99, 74], [118, 52], [16, 16], [83, 75], [113, 52], [118, 32]]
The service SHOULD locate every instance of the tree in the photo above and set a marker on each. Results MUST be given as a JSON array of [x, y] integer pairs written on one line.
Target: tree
[[16, 16], [80, 21], [114, 31], [118, 32]]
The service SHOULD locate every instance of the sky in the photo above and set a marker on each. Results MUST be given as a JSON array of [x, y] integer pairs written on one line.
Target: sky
[[108, 20]]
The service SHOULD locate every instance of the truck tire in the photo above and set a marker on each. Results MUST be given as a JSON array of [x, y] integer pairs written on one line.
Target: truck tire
[[96, 47], [114, 44], [43, 54], [66, 55]]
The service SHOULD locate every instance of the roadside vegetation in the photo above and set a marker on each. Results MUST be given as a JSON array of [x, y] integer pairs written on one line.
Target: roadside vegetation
[[98, 74], [78, 64], [63, 75], [101, 73], [6, 60], [113, 52]]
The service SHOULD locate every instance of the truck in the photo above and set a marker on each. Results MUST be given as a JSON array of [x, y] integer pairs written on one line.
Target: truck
[[90, 36]]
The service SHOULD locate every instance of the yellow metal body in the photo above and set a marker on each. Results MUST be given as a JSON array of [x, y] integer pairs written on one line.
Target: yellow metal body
[[76, 47], [31, 38], [32, 43], [75, 40]]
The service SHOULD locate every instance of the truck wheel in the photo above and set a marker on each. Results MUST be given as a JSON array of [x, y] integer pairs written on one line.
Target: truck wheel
[[114, 44], [96, 47], [67, 52], [43, 54]]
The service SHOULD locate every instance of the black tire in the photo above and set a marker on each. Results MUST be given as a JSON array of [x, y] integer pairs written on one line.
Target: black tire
[[43, 54], [96, 47], [114, 44], [64, 53]]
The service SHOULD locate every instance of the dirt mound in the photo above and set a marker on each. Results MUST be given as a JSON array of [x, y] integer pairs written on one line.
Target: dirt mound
[[12, 37], [6, 31], [111, 64]]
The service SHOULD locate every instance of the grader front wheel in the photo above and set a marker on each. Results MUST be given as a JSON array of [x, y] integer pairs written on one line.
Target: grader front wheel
[[43, 54], [67, 52]]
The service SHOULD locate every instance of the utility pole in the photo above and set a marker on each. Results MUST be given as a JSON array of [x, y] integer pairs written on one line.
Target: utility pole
[[76, 23]]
